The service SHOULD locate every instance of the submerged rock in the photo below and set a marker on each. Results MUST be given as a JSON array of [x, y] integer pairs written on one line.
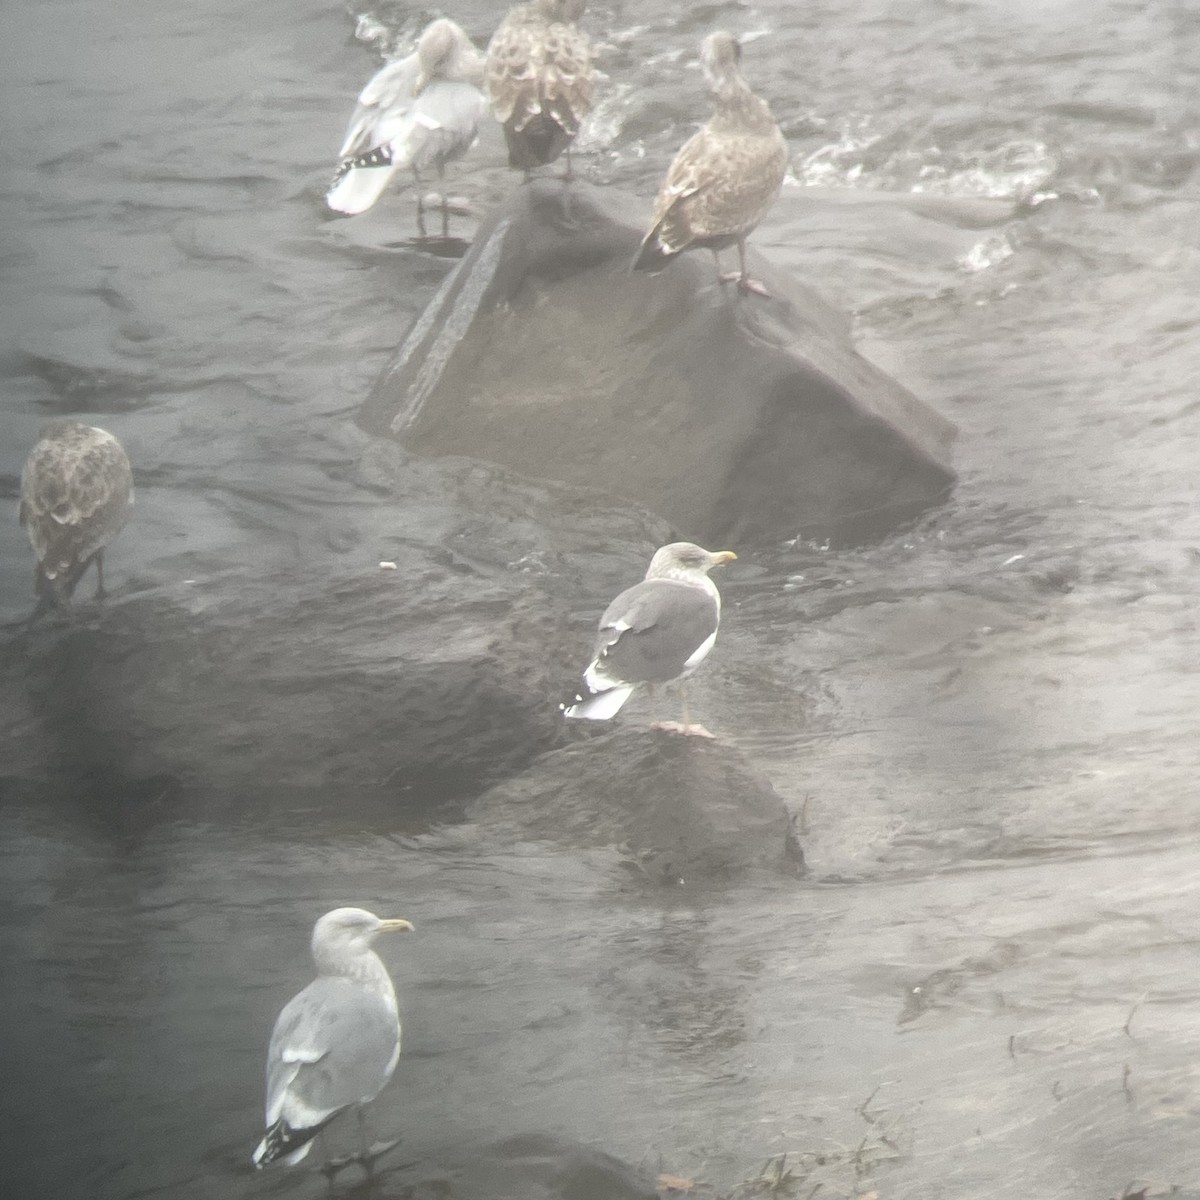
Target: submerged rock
[[683, 809], [736, 418]]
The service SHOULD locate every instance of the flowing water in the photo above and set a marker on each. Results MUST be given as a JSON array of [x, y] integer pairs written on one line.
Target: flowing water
[[986, 985]]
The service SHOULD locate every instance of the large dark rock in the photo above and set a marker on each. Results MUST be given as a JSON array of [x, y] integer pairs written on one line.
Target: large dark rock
[[736, 418], [367, 696], [682, 809], [391, 692]]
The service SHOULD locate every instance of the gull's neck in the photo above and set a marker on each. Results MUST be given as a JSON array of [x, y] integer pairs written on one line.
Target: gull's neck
[[689, 575], [363, 967], [736, 105], [465, 66]]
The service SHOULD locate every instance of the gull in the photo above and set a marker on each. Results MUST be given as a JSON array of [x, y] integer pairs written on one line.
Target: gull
[[419, 112], [540, 80], [656, 631], [724, 178], [76, 492], [336, 1043]]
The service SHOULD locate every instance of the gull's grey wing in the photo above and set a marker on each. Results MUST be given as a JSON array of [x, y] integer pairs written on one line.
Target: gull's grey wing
[[335, 1043], [652, 632], [388, 93], [436, 127], [445, 122]]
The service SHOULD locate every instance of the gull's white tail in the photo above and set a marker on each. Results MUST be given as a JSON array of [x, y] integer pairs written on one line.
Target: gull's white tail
[[279, 1144], [600, 706], [360, 181]]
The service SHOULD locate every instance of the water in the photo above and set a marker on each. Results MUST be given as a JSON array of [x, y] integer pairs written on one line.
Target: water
[[989, 719]]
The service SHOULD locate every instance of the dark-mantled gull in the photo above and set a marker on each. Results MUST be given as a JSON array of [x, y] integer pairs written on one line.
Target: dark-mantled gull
[[540, 80], [419, 112], [656, 631], [724, 178], [336, 1043], [76, 492]]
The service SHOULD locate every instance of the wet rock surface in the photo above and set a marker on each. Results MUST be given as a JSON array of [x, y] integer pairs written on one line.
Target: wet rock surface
[[680, 809], [735, 418], [416, 684], [405, 687], [998, 766], [537, 1167]]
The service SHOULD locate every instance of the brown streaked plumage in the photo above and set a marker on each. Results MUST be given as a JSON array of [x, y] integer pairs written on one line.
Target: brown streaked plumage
[[540, 80], [76, 491], [724, 178]]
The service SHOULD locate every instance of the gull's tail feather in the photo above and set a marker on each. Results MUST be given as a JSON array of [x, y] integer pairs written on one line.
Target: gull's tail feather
[[54, 589], [360, 181], [537, 144], [600, 706], [653, 255], [283, 1143]]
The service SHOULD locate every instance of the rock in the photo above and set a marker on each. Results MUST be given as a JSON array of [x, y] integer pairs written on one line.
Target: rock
[[737, 419], [534, 1166], [394, 691], [683, 809]]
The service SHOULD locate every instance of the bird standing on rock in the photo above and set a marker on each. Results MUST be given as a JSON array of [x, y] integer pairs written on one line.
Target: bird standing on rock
[[656, 631], [419, 112], [724, 178], [76, 492], [540, 80], [337, 1042]]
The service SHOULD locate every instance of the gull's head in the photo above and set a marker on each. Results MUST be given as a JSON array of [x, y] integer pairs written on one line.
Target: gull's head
[[720, 57], [561, 10], [444, 52], [350, 931], [60, 429], [681, 560]]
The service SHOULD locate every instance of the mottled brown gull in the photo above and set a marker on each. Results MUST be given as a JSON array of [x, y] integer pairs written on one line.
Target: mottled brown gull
[[724, 178], [656, 631], [419, 113], [337, 1042], [76, 492], [540, 80]]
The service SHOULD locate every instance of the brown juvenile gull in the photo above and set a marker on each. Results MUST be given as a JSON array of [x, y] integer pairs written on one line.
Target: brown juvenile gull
[[724, 178], [540, 79], [76, 492], [658, 630], [419, 112], [336, 1043]]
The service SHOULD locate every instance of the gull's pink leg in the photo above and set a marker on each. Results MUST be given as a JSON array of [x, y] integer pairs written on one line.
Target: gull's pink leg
[[744, 282]]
